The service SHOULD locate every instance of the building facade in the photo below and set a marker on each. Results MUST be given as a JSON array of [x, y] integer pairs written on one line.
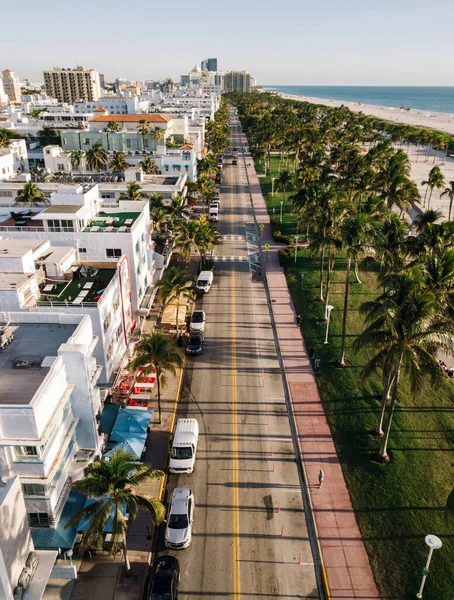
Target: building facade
[[236, 81], [71, 85], [13, 160], [11, 85]]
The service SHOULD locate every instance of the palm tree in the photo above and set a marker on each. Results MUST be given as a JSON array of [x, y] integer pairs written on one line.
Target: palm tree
[[156, 201], [96, 157], [449, 191], [133, 192], [149, 166], [5, 139], [118, 162], [406, 331], [176, 285], [178, 207], [158, 133], [356, 235], [77, 157], [114, 487], [435, 180], [143, 128], [48, 136], [113, 126], [283, 181], [30, 193], [157, 354], [159, 216], [186, 238]]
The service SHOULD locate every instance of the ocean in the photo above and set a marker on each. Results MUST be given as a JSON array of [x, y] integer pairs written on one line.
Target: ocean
[[432, 99]]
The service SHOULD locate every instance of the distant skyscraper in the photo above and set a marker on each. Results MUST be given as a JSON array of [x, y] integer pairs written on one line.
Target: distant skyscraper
[[11, 85], [236, 81], [212, 64], [102, 82], [70, 85]]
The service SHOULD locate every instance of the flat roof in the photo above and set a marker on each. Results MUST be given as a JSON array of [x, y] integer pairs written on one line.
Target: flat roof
[[16, 248], [68, 291], [13, 281], [58, 209], [55, 254], [32, 343]]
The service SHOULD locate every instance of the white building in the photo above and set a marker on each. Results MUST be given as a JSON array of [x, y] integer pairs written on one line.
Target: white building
[[13, 160], [71, 85], [11, 85], [21, 566], [48, 408], [116, 105], [3, 96]]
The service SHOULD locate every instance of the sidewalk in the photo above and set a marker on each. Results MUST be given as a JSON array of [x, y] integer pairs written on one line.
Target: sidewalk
[[343, 553]]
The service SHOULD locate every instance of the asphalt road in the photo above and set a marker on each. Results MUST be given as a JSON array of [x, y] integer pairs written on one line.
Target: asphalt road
[[249, 534]]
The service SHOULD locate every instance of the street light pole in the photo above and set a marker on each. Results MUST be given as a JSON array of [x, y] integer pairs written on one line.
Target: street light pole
[[329, 308], [434, 543], [282, 203], [296, 245], [272, 185]]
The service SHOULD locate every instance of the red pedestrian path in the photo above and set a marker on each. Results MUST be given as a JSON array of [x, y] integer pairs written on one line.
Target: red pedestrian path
[[344, 556]]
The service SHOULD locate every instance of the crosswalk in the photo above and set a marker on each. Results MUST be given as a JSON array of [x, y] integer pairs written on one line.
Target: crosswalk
[[232, 238], [230, 258]]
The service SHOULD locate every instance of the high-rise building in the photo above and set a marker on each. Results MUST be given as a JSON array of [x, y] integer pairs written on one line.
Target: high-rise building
[[212, 64], [3, 96], [70, 85], [236, 81], [11, 85]]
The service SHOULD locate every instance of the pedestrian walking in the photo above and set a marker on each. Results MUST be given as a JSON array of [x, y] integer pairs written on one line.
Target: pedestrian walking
[[321, 477], [298, 321]]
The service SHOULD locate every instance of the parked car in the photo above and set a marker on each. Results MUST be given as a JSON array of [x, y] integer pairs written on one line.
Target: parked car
[[234, 161], [184, 446], [195, 343], [216, 200], [165, 578], [204, 281], [197, 321], [179, 522]]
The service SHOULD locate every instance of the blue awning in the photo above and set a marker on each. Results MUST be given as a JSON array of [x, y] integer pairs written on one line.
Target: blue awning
[[134, 443], [84, 522], [130, 431], [108, 417]]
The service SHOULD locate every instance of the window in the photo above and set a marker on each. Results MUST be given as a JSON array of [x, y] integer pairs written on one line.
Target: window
[[68, 225], [113, 252], [106, 323], [177, 167], [146, 143], [34, 489], [109, 353], [6, 194], [82, 250], [186, 168], [25, 451], [38, 520], [60, 167], [107, 195], [118, 332], [143, 238], [86, 141], [115, 305], [128, 143], [137, 246]]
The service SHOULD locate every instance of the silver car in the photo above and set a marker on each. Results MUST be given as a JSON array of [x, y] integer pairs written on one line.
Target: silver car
[[179, 521]]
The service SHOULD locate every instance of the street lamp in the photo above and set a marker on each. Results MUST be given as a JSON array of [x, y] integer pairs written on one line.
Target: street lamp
[[329, 308], [282, 204], [434, 543], [272, 185], [69, 554], [296, 245]]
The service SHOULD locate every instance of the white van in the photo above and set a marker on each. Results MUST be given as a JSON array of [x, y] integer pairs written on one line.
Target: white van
[[204, 281], [184, 446], [213, 215]]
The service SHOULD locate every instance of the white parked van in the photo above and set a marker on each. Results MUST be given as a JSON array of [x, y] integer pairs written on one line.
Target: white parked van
[[213, 215], [184, 446], [204, 281]]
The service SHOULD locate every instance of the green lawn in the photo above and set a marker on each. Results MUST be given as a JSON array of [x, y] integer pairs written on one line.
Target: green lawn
[[399, 503]]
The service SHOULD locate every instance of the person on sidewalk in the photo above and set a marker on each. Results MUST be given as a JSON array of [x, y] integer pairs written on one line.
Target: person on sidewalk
[[321, 477], [298, 321]]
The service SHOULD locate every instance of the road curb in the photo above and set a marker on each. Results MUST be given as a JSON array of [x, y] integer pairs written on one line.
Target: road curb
[[320, 574]]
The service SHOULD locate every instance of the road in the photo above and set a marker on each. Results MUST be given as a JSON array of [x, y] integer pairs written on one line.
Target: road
[[249, 538]]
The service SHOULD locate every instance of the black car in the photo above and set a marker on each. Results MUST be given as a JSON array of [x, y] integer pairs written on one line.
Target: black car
[[165, 577], [195, 343]]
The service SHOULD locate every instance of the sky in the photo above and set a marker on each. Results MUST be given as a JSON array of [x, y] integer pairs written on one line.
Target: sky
[[287, 42]]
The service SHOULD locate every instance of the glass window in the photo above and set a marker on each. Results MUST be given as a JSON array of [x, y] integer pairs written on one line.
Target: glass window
[[83, 250], [38, 520], [34, 489], [26, 451], [113, 252], [106, 323]]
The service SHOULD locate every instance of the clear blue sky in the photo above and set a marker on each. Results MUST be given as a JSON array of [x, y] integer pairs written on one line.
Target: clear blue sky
[[300, 42]]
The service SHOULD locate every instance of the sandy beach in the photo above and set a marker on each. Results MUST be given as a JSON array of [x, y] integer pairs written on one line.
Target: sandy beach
[[423, 118]]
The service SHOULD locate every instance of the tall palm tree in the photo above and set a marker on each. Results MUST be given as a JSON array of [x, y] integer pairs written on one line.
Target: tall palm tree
[[159, 216], [30, 193], [133, 192], [113, 126], [149, 166], [186, 238], [356, 233], [48, 136], [143, 128], [206, 238], [5, 139], [435, 180], [114, 487], [178, 207], [156, 353], [176, 285], [283, 181], [449, 191], [118, 162], [406, 330], [156, 201], [96, 157], [77, 157]]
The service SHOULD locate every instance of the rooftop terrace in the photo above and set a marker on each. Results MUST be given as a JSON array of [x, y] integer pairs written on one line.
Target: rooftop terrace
[[21, 372], [112, 222], [85, 288]]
